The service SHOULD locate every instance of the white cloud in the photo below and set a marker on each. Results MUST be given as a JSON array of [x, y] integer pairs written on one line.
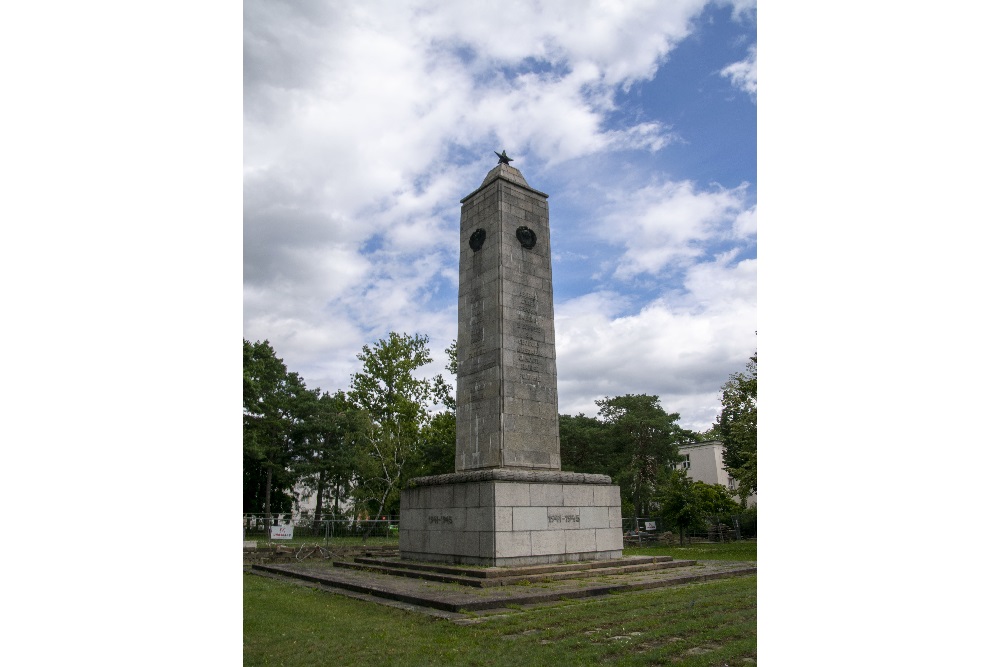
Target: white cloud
[[743, 8], [358, 125], [743, 74], [681, 347], [745, 224], [386, 86], [669, 223], [623, 41]]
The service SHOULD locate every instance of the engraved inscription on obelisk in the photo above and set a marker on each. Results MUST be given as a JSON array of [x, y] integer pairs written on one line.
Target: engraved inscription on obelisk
[[507, 413]]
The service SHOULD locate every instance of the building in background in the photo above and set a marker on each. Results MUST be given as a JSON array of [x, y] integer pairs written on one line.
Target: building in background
[[703, 463]]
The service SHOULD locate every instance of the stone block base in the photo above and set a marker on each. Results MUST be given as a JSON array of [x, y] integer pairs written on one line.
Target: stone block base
[[505, 517]]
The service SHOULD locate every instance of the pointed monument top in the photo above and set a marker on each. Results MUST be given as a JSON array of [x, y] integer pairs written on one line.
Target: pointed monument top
[[506, 172]]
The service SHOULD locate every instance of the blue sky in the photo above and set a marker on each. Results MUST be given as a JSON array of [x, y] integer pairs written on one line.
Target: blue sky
[[364, 127]]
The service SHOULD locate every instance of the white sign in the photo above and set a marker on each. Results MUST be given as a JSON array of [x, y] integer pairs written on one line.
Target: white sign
[[650, 525], [282, 532]]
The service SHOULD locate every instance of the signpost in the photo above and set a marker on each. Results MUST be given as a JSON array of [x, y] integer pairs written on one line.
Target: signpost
[[282, 532]]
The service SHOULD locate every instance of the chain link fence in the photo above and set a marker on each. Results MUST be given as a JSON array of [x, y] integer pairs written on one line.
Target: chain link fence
[[731, 528], [295, 528], [285, 528]]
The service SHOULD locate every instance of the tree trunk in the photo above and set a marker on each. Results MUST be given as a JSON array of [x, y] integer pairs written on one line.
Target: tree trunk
[[267, 501], [381, 508], [320, 488], [336, 499], [336, 503]]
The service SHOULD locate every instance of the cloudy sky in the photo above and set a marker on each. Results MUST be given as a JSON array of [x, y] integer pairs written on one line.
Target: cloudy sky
[[365, 123]]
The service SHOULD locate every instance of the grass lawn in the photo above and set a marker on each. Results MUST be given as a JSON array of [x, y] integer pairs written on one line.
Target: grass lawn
[[745, 550], [712, 623]]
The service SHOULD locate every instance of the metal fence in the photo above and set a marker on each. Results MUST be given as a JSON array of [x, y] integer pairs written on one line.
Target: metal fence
[[279, 528], [714, 529]]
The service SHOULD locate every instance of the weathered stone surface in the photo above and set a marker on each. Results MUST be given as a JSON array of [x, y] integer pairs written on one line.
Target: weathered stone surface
[[608, 539], [578, 494], [594, 517], [580, 541], [508, 503], [530, 518], [544, 495], [510, 545], [548, 542], [503, 518], [501, 522], [512, 495], [607, 495], [506, 337], [460, 593], [514, 475]]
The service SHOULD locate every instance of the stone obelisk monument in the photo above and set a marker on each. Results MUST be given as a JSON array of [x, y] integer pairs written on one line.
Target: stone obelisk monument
[[507, 502]]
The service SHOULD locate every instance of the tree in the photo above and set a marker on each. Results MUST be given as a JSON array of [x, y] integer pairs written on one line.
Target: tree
[[328, 451], [716, 499], [644, 439], [396, 403], [583, 444], [737, 428], [680, 502], [273, 404], [436, 449], [687, 504]]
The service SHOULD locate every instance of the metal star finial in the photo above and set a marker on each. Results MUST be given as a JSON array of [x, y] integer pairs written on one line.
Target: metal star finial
[[503, 157]]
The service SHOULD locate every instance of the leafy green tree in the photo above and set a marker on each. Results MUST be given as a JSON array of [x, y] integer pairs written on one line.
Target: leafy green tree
[[397, 405], [328, 451], [644, 440], [273, 403], [583, 444], [679, 502], [736, 426], [436, 450], [452, 353], [687, 504], [255, 485], [716, 500]]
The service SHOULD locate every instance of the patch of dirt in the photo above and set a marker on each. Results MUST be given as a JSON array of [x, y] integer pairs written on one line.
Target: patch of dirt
[[700, 650]]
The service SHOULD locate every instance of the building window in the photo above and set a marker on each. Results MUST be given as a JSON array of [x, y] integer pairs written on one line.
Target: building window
[[732, 483], [685, 462]]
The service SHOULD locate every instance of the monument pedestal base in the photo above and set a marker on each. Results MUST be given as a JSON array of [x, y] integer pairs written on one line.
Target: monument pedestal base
[[511, 517]]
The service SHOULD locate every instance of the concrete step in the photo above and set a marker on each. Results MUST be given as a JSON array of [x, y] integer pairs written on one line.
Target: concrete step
[[492, 577], [461, 599], [499, 572]]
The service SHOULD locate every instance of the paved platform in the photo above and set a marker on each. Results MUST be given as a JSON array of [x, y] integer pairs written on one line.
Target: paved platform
[[457, 592]]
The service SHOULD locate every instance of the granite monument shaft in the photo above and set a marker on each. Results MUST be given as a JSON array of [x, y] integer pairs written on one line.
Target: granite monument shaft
[[508, 503]]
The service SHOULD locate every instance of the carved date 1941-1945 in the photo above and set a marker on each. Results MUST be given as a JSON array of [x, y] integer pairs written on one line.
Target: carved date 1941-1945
[[444, 518]]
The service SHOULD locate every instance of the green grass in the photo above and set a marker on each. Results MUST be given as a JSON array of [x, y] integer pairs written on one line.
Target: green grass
[[706, 624], [700, 551]]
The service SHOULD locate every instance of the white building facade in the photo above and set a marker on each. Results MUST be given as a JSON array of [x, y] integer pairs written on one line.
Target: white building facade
[[703, 463]]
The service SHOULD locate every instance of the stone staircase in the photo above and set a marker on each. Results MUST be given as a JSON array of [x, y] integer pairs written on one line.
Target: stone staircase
[[458, 590], [487, 577]]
